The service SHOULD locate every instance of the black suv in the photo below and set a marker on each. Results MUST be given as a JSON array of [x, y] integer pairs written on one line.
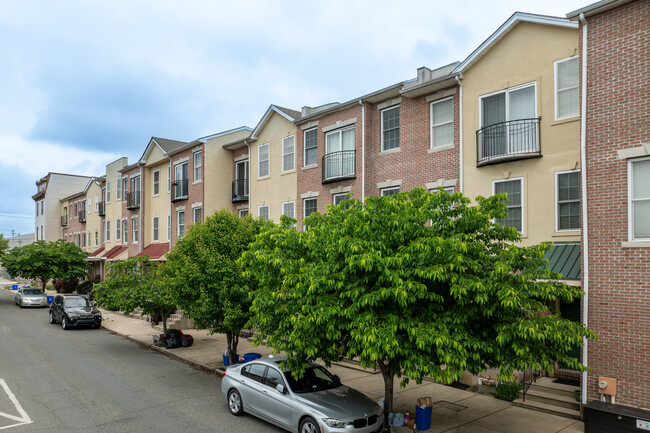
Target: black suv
[[74, 310]]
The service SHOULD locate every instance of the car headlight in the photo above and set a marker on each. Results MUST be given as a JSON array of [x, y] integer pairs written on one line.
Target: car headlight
[[98, 315], [332, 422], [73, 316]]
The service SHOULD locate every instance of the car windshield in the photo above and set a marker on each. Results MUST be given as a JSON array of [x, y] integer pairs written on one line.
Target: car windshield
[[316, 378], [76, 302], [32, 292]]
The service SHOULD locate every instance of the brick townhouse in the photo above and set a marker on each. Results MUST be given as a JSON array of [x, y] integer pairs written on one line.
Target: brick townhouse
[[615, 89]]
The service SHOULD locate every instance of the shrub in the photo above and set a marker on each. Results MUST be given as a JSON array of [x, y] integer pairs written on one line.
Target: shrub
[[508, 391], [85, 287], [66, 285]]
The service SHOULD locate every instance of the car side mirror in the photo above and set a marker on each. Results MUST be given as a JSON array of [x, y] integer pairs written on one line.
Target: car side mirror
[[280, 388], [337, 379]]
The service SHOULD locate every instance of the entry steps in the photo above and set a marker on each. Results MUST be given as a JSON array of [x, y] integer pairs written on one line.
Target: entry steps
[[544, 395]]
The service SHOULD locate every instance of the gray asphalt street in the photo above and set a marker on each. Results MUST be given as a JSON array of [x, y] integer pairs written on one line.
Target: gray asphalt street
[[89, 380]]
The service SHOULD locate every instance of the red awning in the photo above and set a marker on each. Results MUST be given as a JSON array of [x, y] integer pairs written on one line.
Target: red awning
[[114, 252], [96, 254], [154, 251]]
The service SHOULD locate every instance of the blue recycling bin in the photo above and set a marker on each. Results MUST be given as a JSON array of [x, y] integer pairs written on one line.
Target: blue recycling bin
[[251, 356], [50, 299], [423, 417], [14, 287], [226, 360]]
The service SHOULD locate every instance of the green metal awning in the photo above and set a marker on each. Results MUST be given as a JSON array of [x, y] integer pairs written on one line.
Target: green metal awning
[[564, 258]]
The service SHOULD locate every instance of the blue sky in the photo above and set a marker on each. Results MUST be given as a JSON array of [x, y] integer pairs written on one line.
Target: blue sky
[[85, 82]]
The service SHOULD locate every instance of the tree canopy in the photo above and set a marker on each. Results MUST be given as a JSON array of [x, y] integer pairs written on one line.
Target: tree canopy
[[417, 284], [44, 260], [4, 245], [135, 283], [207, 280]]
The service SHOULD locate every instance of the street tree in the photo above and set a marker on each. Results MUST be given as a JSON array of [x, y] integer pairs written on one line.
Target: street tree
[[416, 285], [4, 245], [136, 282], [207, 279], [44, 260]]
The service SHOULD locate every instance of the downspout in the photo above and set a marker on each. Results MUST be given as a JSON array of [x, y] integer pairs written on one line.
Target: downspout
[[141, 232], [170, 229], [250, 184], [460, 128], [583, 180], [363, 151]]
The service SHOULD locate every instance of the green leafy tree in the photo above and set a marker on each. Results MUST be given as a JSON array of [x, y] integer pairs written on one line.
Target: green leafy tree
[[4, 245], [417, 285], [136, 283], [208, 281], [44, 260]]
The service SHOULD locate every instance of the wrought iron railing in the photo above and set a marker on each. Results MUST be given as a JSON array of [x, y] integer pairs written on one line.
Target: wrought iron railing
[[82, 216], [530, 377], [64, 220], [240, 190], [339, 165], [102, 208], [179, 189], [133, 200], [514, 139]]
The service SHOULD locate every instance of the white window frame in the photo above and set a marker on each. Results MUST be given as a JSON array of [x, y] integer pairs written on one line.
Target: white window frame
[[169, 178], [107, 231], [343, 196], [197, 169], [285, 153], [90, 204], [108, 191], [557, 198], [194, 220], [385, 191], [259, 161], [304, 206], [134, 228], [523, 201], [293, 209], [381, 123], [125, 231], [630, 200], [557, 90], [304, 148], [96, 203], [155, 183], [118, 230], [155, 229], [118, 189], [169, 227], [178, 223], [432, 144], [96, 238], [242, 213], [125, 187], [268, 211]]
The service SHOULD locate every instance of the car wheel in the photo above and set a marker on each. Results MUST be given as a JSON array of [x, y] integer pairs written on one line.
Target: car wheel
[[234, 403], [308, 425], [64, 323], [97, 325], [52, 321], [21, 304]]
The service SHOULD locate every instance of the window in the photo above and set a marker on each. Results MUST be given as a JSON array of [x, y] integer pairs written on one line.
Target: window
[[96, 202], [76, 210], [442, 123], [288, 153], [36, 213], [96, 238], [90, 205], [108, 231], [125, 185], [108, 191], [339, 153], [155, 229], [567, 186], [198, 166], [263, 160], [42, 207], [338, 198], [90, 239], [180, 181], [311, 147], [134, 223], [156, 182], [288, 209], [83, 239], [389, 191], [243, 213], [639, 204], [310, 205], [169, 178], [240, 188], [118, 229], [125, 226], [118, 189], [197, 215], [263, 212], [169, 227], [273, 378], [447, 189], [180, 229], [42, 235], [514, 202], [567, 94], [135, 191], [390, 128]]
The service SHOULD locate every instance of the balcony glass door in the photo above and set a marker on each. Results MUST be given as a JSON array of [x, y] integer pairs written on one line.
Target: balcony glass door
[[180, 180], [241, 179], [340, 162], [494, 113], [522, 138]]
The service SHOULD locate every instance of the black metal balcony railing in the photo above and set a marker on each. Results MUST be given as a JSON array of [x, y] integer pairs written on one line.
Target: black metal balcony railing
[[64, 220], [102, 208], [133, 200], [179, 189], [339, 165], [506, 141], [82, 216], [240, 190]]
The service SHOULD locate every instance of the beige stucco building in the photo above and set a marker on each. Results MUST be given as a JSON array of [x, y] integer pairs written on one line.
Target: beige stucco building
[[521, 125]]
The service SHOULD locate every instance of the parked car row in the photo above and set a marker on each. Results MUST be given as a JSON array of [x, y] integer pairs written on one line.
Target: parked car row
[[68, 310]]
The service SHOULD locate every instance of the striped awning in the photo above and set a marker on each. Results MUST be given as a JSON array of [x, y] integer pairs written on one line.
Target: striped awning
[[564, 258]]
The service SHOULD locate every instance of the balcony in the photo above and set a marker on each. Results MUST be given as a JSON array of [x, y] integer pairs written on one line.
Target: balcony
[[64, 221], [82, 216], [508, 141], [179, 189], [240, 190], [102, 208], [133, 200], [339, 166]]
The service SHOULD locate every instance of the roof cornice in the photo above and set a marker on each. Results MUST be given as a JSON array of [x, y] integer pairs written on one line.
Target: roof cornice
[[596, 8]]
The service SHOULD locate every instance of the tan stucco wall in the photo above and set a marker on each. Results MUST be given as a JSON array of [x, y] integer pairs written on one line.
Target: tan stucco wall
[[114, 207], [278, 187], [218, 167], [526, 54], [158, 205]]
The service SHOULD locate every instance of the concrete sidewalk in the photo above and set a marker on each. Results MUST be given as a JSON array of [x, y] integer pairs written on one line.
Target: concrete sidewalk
[[454, 410]]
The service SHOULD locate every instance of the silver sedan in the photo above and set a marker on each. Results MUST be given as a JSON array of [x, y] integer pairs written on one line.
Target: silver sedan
[[30, 297], [317, 402]]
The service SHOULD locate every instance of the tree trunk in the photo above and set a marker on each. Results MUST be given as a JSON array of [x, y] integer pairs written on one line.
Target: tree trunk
[[388, 391], [163, 315], [233, 341], [44, 283]]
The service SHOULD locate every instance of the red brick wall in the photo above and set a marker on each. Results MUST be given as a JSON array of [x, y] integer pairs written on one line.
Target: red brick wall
[[194, 192], [618, 102], [129, 214]]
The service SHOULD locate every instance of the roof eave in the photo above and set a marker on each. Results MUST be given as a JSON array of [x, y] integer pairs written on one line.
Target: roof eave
[[596, 8]]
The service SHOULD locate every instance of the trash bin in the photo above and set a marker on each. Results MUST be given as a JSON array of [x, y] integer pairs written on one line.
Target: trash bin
[[226, 360], [251, 356], [423, 417], [50, 299], [14, 287]]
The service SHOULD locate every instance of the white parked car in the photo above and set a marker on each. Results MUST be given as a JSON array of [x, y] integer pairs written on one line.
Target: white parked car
[[30, 297]]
